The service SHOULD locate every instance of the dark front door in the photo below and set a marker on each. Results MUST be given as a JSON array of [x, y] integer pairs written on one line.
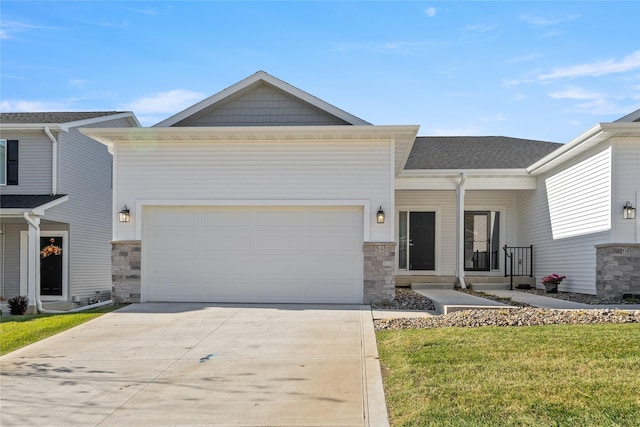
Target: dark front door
[[51, 266], [422, 233]]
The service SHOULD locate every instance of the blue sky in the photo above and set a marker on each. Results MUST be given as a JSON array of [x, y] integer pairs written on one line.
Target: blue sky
[[546, 70]]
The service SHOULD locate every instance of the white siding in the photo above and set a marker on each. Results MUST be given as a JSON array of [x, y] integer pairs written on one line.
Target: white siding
[[574, 257], [34, 163], [626, 187], [579, 197], [254, 170], [444, 204]]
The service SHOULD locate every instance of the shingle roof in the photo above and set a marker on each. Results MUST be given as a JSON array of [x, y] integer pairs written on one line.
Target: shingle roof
[[476, 152], [26, 201], [53, 117]]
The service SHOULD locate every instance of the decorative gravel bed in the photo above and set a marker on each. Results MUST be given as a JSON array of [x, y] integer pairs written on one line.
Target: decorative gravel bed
[[581, 298], [406, 299], [518, 316]]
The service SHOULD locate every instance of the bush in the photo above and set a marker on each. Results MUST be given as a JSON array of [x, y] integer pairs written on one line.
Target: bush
[[18, 305]]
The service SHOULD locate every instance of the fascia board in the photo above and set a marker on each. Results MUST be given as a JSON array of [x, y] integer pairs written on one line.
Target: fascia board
[[594, 136], [42, 208], [128, 115], [109, 136], [413, 173], [28, 126]]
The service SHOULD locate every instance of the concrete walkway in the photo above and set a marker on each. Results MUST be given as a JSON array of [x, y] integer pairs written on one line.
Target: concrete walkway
[[196, 364]]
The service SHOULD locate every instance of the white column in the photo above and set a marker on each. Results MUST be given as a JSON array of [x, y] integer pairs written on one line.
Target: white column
[[460, 232], [33, 258]]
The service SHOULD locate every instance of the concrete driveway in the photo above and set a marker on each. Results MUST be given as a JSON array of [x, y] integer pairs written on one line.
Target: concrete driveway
[[158, 364]]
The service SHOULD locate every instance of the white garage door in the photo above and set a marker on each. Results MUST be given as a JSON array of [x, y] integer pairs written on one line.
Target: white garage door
[[266, 254]]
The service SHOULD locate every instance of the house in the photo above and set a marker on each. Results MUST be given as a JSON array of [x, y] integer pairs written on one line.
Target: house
[[265, 193], [56, 203]]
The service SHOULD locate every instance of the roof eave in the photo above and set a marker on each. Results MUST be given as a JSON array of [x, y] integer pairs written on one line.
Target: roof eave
[[594, 136]]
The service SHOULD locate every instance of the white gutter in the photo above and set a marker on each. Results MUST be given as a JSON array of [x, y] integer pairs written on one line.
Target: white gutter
[[73, 310], [54, 160]]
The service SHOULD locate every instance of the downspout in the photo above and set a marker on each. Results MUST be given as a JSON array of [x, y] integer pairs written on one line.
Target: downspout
[[54, 161], [460, 230]]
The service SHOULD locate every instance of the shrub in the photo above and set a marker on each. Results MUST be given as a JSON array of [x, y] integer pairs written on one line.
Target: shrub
[[18, 305]]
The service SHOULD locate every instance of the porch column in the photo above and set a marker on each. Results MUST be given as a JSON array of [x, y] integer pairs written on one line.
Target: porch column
[[33, 258], [460, 231]]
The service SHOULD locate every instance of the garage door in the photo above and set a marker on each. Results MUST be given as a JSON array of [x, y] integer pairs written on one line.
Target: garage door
[[238, 254]]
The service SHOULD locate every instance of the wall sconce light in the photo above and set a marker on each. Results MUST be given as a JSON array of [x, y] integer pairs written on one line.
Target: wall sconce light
[[380, 216], [628, 211], [124, 214]]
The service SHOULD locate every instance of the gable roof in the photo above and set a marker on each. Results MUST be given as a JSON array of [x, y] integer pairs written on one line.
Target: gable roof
[[252, 82], [63, 120], [476, 152]]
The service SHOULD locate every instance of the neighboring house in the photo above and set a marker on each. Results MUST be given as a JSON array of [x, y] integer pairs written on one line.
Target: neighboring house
[[264, 193], [55, 206]]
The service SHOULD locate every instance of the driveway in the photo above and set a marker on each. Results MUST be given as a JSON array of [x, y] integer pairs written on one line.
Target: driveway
[[158, 364]]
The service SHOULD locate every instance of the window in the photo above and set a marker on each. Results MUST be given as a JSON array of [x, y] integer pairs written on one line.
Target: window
[[8, 162], [481, 240]]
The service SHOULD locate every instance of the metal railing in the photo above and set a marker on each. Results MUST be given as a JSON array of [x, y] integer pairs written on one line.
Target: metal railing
[[520, 261]]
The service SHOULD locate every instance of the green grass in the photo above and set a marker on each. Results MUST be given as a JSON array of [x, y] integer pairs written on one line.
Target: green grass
[[564, 375], [19, 331]]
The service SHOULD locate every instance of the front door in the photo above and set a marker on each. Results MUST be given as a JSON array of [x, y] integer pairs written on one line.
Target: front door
[[51, 266], [422, 229]]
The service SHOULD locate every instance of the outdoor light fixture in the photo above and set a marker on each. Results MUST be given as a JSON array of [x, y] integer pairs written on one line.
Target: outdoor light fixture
[[628, 211], [380, 216], [124, 214]]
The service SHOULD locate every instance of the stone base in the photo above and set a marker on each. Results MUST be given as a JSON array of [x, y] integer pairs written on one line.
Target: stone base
[[617, 270], [379, 272], [125, 271]]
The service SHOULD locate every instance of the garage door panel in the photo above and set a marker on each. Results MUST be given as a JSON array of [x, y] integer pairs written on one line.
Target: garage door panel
[[249, 254]]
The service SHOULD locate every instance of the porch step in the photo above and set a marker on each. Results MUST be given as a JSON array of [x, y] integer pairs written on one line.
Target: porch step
[[431, 285], [490, 286]]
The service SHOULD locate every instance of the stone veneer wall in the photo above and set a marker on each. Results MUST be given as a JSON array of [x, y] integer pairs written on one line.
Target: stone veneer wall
[[617, 269], [379, 272], [125, 271]]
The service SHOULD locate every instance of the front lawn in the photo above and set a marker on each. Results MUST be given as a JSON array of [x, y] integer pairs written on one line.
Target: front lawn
[[19, 331], [561, 375]]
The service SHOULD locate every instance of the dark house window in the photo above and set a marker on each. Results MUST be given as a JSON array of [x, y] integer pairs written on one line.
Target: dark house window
[[8, 162]]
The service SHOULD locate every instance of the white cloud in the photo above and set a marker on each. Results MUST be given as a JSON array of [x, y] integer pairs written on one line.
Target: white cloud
[[599, 68], [430, 11], [480, 28], [575, 93], [9, 28], [79, 83], [27, 106], [169, 102], [543, 21]]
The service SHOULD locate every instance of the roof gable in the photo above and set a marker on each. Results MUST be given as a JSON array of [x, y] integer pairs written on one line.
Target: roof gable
[[476, 152], [261, 100]]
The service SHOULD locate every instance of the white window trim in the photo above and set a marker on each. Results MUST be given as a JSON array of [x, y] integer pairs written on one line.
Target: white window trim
[[437, 248], [3, 179]]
